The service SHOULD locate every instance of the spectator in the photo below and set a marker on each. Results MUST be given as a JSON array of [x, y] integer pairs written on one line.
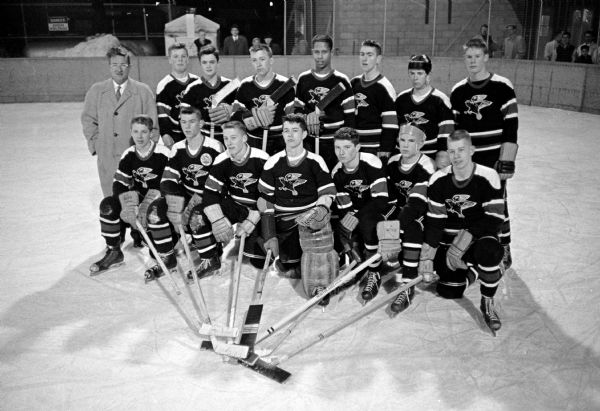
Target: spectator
[[550, 47], [514, 44], [301, 45], [201, 41], [487, 39], [275, 48], [564, 51], [588, 40], [256, 42], [585, 56], [108, 109], [236, 44]]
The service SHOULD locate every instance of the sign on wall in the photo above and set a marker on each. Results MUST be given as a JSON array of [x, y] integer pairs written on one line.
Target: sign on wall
[[60, 23]]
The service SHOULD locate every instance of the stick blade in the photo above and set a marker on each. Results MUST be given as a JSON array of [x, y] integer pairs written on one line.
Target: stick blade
[[250, 328], [231, 350], [257, 364]]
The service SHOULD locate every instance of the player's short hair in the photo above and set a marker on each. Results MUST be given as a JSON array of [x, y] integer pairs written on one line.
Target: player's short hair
[[118, 51], [347, 133], [477, 44], [234, 124], [263, 47], [144, 119], [206, 50], [374, 44], [176, 46], [420, 62], [323, 38], [458, 135], [190, 110], [567, 33], [296, 118], [412, 130]]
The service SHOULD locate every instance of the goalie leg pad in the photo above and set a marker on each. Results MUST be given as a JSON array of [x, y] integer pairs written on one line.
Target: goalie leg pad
[[319, 262], [320, 241], [110, 223]]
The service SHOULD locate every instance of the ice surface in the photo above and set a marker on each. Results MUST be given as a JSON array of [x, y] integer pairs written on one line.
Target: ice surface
[[73, 342]]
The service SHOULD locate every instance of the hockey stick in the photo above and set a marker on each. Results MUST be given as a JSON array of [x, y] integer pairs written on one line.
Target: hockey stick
[[264, 139], [220, 95], [274, 99], [339, 281], [347, 321], [322, 105], [235, 285]]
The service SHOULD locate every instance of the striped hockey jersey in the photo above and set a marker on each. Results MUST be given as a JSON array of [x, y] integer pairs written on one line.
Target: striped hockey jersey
[[169, 94], [137, 173]]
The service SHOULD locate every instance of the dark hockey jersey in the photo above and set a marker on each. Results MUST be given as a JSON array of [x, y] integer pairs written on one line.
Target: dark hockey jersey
[[239, 181], [138, 173], [365, 185], [433, 115], [311, 89], [200, 94], [488, 110], [169, 94], [475, 204], [295, 189], [186, 173], [376, 120]]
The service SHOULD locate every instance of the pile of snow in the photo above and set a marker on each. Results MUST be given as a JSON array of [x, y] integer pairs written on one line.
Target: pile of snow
[[94, 46]]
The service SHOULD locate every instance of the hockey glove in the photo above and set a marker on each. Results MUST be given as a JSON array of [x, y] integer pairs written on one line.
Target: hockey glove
[[388, 233], [151, 195], [187, 211], [220, 114], [263, 116], [129, 206], [505, 166], [273, 245], [247, 226], [457, 250], [174, 208], [313, 123], [426, 262], [221, 226], [316, 218]]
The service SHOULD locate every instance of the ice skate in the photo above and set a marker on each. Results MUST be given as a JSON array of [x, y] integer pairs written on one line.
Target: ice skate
[[507, 258], [156, 272], [372, 287], [403, 300], [207, 266], [138, 242], [325, 301], [490, 315], [112, 259]]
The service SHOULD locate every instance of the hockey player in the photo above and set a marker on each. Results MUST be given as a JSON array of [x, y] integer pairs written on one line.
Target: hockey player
[[200, 94], [169, 92], [231, 192], [485, 105], [465, 211], [362, 200], [137, 178], [182, 187], [376, 120], [313, 85], [252, 105], [408, 174], [296, 195], [427, 108]]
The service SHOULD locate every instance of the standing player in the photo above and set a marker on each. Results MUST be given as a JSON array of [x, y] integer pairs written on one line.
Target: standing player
[[465, 211], [485, 105], [296, 195], [231, 192], [137, 177], [200, 94], [313, 85], [252, 102], [408, 174], [182, 186], [376, 120], [362, 200], [427, 108], [169, 92]]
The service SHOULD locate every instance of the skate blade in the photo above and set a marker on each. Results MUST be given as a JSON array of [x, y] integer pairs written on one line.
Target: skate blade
[[111, 268]]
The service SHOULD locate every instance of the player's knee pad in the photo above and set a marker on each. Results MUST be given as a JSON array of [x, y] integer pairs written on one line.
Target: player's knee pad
[[487, 252], [157, 212], [110, 208], [451, 284]]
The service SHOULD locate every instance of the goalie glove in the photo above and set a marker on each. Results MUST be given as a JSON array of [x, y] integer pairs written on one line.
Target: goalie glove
[[187, 212], [220, 114], [221, 226], [457, 250], [174, 208], [313, 123], [426, 262], [151, 195], [247, 226], [388, 233], [263, 116], [129, 206], [316, 218], [505, 166]]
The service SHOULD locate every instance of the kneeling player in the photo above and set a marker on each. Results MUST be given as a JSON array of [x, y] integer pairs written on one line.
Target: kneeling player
[[232, 191], [465, 212], [362, 200], [137, 177], [296, 195], [408, 174]]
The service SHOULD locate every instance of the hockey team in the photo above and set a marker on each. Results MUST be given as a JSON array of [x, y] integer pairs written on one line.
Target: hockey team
[[320, 171]]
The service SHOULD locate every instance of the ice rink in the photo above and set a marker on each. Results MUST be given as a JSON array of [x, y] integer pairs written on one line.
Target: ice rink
[[69, 341]]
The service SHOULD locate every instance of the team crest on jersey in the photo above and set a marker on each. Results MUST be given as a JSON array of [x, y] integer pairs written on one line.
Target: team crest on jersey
[[356, 187], [361, 100], [178, 97], [259, 101], [193, 172], [241, 181], [317, 94], [290, 181], [206, 159], [404, 187], [476, 104], [458, 203], [208, 101], [416, 118], [142, 175]]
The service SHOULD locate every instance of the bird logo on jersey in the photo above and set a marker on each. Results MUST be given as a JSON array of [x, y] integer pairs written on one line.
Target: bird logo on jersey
[[193, 172], [458, 203], [241, 181], [356, 187], [290, 181], [476, 104], [142, 175], [259, 101], [361, 100], [208, 101], [416, 118], [404, 187], [178, 97], [317, 94]]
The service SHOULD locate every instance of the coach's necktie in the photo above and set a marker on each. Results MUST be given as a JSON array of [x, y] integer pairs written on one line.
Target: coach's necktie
[[118, 94]]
